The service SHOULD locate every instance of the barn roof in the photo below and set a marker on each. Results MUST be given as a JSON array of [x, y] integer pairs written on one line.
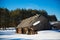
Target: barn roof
[[28, 22], [44, 23]]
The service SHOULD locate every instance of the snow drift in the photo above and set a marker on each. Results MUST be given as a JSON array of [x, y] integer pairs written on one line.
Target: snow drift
[[47, 34]]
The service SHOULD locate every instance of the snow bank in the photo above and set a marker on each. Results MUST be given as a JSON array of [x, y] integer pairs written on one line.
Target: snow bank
[[47, 34]]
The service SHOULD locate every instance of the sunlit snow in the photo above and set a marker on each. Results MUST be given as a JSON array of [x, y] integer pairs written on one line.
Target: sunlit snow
[[46, 34]]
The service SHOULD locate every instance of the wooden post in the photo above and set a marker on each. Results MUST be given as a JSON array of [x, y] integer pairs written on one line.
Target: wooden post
[[19, 30], [25, 30], [32, 31]]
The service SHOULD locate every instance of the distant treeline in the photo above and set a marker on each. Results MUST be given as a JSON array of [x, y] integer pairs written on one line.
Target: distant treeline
[[11, 18]]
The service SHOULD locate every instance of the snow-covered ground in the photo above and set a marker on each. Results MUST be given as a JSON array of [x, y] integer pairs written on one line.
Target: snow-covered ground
[[42, 35]]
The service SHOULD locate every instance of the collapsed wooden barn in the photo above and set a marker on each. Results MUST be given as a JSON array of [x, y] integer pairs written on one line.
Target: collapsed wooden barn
[[33, 24], [25, 24]]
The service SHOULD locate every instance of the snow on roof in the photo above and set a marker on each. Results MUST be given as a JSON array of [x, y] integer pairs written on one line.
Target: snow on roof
[[54, 22], [36, 23]]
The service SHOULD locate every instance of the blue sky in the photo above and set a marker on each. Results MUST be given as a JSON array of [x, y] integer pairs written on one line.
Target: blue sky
[[51, 6]]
